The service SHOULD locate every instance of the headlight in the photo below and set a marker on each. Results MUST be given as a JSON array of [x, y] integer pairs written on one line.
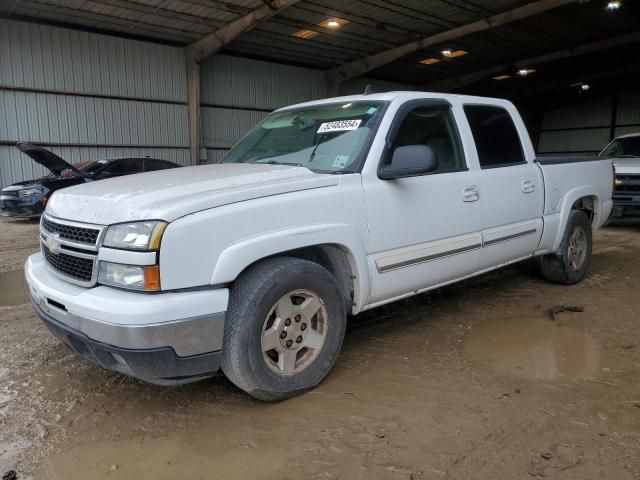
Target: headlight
[[135, 236], [134, 277], [29, 192], [618, 182]]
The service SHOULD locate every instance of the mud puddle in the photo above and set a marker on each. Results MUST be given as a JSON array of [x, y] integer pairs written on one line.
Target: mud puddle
[[172, 457], [13, 288], [534, 348]]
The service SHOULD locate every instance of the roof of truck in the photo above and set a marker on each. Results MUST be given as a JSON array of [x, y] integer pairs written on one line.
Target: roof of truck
[[628, 135], [401, 95]]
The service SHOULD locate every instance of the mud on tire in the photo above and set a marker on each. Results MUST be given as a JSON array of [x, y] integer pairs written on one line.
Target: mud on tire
[[276, 307], [570, 264]]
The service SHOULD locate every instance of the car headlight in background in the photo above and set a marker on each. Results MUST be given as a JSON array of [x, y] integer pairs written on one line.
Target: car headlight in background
[[29, 192], [135, 235], [134, 277], [618, 182]]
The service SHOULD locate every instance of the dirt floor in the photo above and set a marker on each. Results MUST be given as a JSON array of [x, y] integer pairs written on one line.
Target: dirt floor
[[470, 381]]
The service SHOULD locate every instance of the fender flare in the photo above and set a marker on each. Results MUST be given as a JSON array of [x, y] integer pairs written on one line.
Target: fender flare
[[565, 208], [237, 257]]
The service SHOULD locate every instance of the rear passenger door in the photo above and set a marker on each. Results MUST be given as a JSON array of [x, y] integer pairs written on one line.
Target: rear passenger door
[[511, 186]]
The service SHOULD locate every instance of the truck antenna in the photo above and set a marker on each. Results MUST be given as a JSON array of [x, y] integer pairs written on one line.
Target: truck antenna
[[368, 90]]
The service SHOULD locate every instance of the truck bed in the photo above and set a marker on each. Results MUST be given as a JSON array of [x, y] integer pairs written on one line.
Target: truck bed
[[562, 159]]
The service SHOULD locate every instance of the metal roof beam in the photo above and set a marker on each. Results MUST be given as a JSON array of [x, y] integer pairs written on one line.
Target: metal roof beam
[[213, 42], [450, 84], [362, 66]]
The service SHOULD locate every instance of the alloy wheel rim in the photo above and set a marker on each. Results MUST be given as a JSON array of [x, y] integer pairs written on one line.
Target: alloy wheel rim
[[294, 332], [577, 248]]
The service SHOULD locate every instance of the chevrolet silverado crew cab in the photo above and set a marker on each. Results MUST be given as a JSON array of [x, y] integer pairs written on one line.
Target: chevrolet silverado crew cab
[[323, 210]]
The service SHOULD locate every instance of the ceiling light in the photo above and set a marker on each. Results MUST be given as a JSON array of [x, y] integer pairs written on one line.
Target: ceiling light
[[454, 53], [502, 77], [333, 22], [584, 87], [523, 72], [614, 5], [305, 34], [429, 61]]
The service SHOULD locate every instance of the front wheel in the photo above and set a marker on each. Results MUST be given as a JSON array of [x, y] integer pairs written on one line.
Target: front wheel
[[570, 264], [284, 328]]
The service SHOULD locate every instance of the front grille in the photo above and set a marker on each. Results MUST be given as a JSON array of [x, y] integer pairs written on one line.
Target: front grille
[[69, 265], [73, 233], [630, 185]]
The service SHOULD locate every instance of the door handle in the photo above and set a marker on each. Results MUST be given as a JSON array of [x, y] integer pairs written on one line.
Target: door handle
[[470, 194], [528, 186]]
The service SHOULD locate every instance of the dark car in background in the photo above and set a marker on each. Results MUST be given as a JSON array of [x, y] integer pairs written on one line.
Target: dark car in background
[[28, 199]]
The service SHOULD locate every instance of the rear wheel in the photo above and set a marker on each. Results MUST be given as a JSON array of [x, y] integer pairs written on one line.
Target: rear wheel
[[570, 264], [284, 328]]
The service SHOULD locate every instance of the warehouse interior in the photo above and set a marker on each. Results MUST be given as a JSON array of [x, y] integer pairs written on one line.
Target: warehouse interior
[[111, 77], [500, 376]]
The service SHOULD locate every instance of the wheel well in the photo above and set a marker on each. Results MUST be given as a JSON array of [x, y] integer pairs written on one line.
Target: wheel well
[[334, 258], [586, 205]]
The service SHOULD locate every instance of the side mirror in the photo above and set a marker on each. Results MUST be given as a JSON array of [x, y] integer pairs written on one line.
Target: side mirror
[[410, 161]]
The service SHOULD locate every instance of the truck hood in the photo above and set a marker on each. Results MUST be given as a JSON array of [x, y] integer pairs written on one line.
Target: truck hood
[[47, 159], [171, 194], [627, 165]]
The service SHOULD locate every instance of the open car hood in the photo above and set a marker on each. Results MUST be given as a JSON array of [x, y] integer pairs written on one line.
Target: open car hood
[[47, 159]]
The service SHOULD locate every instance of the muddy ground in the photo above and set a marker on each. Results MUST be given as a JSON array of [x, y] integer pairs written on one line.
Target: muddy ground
[[471, 381]]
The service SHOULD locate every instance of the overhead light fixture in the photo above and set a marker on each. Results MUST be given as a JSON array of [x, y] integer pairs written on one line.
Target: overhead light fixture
[[429, 61], [305, 34], [585, 86], [523, 72], [453, 53], [502, 77], [333, 22], [615, 5]]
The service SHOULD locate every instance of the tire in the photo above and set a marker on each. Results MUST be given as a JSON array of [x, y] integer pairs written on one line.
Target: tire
[[570, 264], [258, 299]]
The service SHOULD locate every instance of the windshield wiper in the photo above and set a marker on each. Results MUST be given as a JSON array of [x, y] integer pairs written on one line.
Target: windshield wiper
[[273, 162]]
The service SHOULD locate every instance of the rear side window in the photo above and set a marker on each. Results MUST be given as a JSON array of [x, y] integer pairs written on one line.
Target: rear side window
[[125, 166], [495, 135], [152, 165]]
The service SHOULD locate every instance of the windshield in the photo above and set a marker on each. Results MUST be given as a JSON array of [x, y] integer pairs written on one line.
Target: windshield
[[326, 138], [623, 147]]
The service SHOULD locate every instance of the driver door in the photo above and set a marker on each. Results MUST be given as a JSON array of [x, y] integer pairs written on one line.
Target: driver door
[[424, 230]]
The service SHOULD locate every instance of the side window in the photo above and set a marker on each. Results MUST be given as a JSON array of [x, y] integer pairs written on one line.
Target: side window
[[495, 135], [151, 165], [436, 128], [125, 166]]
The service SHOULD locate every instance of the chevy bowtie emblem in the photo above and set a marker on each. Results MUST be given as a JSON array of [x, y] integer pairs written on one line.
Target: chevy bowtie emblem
[[53, 243]]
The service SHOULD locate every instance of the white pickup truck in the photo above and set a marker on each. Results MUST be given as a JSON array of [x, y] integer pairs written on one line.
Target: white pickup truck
[[323, 210], [624, 151]]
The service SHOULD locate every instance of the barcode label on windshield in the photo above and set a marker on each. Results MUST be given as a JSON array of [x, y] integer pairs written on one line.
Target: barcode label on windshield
[[339, 126]]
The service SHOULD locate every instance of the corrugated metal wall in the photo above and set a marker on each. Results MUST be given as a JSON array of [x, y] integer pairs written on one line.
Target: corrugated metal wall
[[586, 127], [236, 93], [89, 96]]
